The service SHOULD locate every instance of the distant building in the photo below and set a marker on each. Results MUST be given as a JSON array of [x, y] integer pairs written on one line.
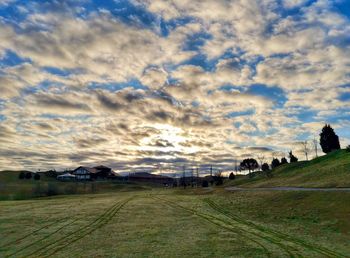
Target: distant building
[[99, 172], [66, 177]]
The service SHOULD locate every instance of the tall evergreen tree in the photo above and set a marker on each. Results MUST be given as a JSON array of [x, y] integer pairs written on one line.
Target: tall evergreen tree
[[329, 141]]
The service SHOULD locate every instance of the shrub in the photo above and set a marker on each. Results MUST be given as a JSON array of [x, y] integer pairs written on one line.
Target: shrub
[[22, 175], [231, 176], [284, 161], [28, 175], [348, 148], [36, 176], [205, 183]]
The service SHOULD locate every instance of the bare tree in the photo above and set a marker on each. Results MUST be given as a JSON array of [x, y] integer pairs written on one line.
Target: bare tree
[[261, 159], [315, 142], [305, 148]]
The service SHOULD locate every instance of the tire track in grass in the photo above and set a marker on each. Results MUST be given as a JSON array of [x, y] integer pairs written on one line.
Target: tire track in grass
[[43, 238], [57, 245], [282, 236], [216, 221], [36, 231], [32, 233]]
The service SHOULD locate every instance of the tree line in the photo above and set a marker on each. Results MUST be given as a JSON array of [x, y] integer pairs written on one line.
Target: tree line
[[328, 141]]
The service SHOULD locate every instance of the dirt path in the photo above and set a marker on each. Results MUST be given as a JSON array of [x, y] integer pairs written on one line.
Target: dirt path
[[288, 188]]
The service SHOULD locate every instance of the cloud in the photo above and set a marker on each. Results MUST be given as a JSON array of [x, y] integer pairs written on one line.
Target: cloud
[[195, 81]]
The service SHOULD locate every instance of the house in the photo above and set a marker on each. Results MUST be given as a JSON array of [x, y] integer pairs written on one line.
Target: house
[[99, 172], [84, 173], [66, 177]]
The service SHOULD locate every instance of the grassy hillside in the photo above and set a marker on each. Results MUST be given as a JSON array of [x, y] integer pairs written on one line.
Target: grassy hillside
[[332, 170]]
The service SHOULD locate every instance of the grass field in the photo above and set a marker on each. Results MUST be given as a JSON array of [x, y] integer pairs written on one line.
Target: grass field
[[332, 170], [178, 223], [12, 188]]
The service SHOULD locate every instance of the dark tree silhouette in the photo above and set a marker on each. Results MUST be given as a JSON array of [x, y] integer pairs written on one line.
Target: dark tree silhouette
[[284, 161], [28, 175], [275, 163], [36, 176], [329, 141], [249, 164], [205, 183], [22, 175], [348, 148], [231, 176], [292, 158], [218, 178], [266, 168]]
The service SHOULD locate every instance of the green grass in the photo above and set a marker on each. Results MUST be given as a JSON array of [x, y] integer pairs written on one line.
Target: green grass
[[332, 170], [178, 223]]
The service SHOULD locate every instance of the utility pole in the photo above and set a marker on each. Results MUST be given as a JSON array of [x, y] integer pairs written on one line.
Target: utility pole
[[211, 170], [192, 177], [184, 176]]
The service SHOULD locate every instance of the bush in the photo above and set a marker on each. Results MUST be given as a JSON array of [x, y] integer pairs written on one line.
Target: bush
[[22, 175], [348, 148], [284, 161], [205, 183], [231, 176], [36, 176], [28, 175]]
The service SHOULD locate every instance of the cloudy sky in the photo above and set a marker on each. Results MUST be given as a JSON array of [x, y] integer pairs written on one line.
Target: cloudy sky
[[158, 84]]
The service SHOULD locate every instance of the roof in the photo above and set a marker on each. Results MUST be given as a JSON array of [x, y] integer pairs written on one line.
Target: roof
[[91, 170], [66, 175], [102, 167]]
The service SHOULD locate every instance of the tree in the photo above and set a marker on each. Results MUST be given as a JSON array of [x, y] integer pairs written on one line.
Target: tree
[[292, 158], [305, 149], [266, 168], [275, 163], [249, 164], [205, 183], [261, 159], [348, 148], [284, 161], [28, 175], [329, 141], [231, 176], [36, 176], [218, 178], [21, 175]]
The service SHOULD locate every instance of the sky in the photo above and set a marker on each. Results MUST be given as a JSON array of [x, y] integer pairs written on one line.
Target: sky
[[155, 85]]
